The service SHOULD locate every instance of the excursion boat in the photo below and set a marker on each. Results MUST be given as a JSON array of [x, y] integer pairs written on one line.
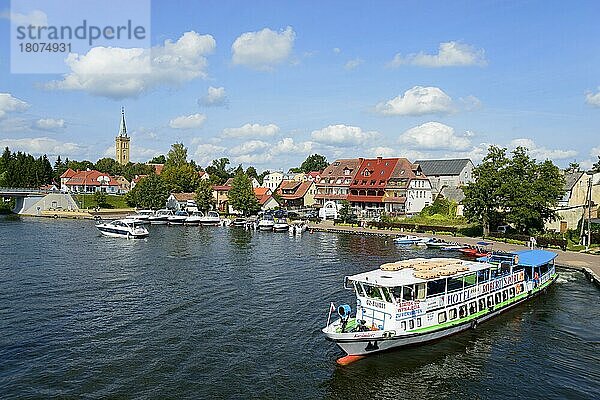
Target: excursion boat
[[419, 300], [126, 228], [212, 218], [194, 218], [160, 216], [178, 218], [281, 225], [266, 223], [141, 215]]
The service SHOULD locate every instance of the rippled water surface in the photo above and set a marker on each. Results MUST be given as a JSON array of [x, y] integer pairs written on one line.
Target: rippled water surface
[[227, 313]]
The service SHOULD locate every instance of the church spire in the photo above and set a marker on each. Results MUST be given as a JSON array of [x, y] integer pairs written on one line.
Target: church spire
[[123, 128]]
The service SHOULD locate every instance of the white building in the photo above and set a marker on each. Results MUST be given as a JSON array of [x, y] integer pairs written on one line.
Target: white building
[[273, 180], [451, 173]]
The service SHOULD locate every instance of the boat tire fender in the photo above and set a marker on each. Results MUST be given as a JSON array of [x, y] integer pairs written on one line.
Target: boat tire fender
[[55, 216]]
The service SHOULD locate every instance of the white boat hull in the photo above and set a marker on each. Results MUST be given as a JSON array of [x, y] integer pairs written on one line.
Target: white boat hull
[[110, 232]]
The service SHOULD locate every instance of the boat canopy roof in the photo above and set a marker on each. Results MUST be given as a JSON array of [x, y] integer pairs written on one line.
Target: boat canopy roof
[[534, 258], [416, 270]]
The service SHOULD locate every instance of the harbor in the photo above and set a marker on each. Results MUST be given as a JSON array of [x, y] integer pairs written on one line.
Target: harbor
[[205, 312]]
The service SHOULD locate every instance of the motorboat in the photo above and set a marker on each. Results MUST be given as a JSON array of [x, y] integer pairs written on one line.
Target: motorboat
[[298, 227], [194, 218], [423, 242], [453, 247], [407, 239], [211, 218], [127, 228], [436, 244], [415, 301], [481, 249], [141, 215], [280, 225], [178, 218], [266, 223], [239, 222], [160, 216]]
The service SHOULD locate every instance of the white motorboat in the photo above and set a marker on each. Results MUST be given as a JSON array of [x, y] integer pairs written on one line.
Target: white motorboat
[[298, 227], [178, 218], [266, 223], [141, 215], [407, 239], [212, 218], [454, 247], [160, 216], [239, 222], [280, 225], [195, 218], [127, 228], [420, 300]]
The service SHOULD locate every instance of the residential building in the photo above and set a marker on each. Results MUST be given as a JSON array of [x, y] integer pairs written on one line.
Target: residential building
[[89, 182], [64, 178], [407, 190], [573, 205], [122, 145], [297, 194], [367, 189], [136, 180], [334, 183], [265, 198], [313, 176], [124, 184], [220, 193], [272, 180], [180, 201], [451, 173]]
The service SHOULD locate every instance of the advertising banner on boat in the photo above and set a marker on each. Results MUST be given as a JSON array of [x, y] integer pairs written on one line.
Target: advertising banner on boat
[[491, 286], [410, 309]]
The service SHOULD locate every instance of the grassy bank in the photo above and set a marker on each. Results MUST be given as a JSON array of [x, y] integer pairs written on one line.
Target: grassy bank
[[85, 201]]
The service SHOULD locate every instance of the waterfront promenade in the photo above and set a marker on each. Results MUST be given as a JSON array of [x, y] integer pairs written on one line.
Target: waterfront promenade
[[587, 263]]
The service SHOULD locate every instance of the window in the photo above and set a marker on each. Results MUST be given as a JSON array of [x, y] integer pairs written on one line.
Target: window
[[442, 317], [481, 304], [372, 292], [472, 307], [511, 292], [359, 289], [407, 293], [455, 284], [420, 291], [504, 295], [411, 324], [498, 297], [436, 287], [403, 325], [490, 301], [452, 313], [483, 275], [386, 294], [418, 322], [462, 311], [396, 293], [469, 280]]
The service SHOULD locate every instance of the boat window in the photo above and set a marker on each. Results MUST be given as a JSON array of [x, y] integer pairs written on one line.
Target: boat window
[[442, 317], [407, 293], [397, 293], [505, 268], [481, 304], [452, 313], [511, 292], [490, 301], [504, 295], [483, 275], [436, 287], [498, 297], [411, 324], [544, 269], [462, 311], [420, 291], [472, 307], [455, 284], [403, 325], [372, 292], [386, 294], [470, 280], [418, 322], [359, 289], [495, 272]]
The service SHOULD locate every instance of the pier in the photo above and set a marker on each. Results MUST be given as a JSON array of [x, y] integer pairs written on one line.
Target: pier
[[589, 264]]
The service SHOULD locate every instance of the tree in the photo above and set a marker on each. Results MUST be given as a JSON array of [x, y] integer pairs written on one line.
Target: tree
[[178, 174], [241, 195], [204, 195], [573, 167], [262, 175], [316, 162], [345, 211], [218, 171], [108, 166], [484, 197], [150, 192], [100, 198], [158, 160], [251, 172], [441, 206], [80, 165], [177, 156], [596, 166]]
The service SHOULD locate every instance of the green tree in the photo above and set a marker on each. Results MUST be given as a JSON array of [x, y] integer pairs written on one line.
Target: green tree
[[178, 174], [596, 166], [262, 175], [315, 162], [251, 172], [241, 195], [345, 213], [484, 197], [108, 166], [573, 167], [100, 198], [218, 171], [131, 170], [177, 156], [204, 195], [150, 192], [158, 160], [440, 206], [80, 165]]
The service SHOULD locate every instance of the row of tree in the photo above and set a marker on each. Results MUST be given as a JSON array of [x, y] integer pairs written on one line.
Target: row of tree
[[23, 170]]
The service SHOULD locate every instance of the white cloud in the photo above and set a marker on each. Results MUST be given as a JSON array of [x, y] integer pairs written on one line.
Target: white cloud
[[540, 152], [352, 64], [336, 50], [252, 130], [434, 136], [251, 146], [593, 99], [264, 49], [260, 158], [42, 145], [188, 121], [382, 151], [417, 101], [35, 18], [118, 73], [215, 97], [288, 146], [343, 135], [8, 103], [49, 124], [206, 152], [450, 54]]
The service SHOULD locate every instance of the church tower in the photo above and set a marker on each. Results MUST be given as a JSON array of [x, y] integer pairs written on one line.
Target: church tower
[[122, 142]]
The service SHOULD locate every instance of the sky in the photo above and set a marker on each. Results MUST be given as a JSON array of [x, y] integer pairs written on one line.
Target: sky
[[266, 83]]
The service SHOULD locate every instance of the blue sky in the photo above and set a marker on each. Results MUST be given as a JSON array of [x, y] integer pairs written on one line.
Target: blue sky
[[270, 82]]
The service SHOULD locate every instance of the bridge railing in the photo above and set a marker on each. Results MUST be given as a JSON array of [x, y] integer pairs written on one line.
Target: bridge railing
[[8, 190]]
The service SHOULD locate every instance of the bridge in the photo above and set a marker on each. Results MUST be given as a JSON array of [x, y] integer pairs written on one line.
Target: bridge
[[34, 201]]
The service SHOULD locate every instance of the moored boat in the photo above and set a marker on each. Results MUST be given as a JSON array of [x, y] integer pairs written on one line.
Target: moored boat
[[266, 223], [160, 216], [482, 249], [281, 225], [194, 218], [211, 218], [178, 218], [126, 228], [239, 222], [141, 215], [407, 239], [419, 300]]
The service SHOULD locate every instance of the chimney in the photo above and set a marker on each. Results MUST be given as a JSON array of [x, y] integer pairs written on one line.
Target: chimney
[[379, 160]]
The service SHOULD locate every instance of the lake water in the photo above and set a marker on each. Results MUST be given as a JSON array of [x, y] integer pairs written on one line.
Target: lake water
[[218, 312]]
